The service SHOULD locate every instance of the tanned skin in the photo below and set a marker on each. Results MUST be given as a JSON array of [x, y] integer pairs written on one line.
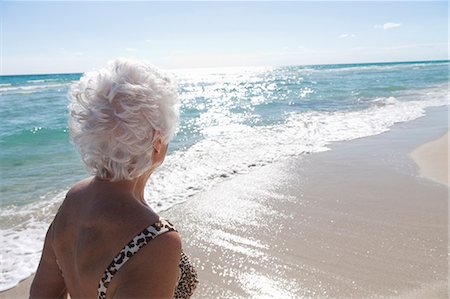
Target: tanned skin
[[95, 221]]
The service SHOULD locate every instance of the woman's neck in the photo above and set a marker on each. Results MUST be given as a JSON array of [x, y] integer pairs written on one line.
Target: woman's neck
[[135, 186]]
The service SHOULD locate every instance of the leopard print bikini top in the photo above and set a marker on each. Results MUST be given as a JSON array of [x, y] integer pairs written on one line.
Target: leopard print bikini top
[[187, 280]]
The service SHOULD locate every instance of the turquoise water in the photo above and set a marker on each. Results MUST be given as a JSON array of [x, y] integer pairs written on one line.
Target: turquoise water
[[232, 119], [36, 157], [34, 148]]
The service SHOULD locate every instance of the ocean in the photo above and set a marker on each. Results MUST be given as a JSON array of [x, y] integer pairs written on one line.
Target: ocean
[[233, 120]]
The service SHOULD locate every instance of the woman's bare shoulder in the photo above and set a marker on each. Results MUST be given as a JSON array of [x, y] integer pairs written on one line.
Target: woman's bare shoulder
[[79, 187], [69, 204]]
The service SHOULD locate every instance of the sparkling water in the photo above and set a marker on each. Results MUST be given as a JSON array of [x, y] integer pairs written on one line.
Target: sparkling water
[[232, 120]]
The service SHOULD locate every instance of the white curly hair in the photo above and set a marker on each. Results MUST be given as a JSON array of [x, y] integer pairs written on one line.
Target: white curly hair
[[114, 113]]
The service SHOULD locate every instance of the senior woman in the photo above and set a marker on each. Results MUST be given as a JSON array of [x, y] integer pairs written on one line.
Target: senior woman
[[105, 241]]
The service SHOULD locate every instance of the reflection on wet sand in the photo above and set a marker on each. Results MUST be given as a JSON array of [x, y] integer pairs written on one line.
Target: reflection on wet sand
[[330, 225]]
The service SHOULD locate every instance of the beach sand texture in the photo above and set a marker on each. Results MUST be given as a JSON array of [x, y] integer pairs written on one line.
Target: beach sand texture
[[354, 222], [432, 159]]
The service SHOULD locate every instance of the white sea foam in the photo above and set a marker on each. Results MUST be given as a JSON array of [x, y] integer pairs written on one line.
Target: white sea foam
[[22, 240], [40, 80], [228, 149], [31, 88], [371, 67], [231, 149], [20, 254]]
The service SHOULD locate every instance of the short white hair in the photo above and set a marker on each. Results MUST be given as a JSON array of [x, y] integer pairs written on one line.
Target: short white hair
[[114, 113]]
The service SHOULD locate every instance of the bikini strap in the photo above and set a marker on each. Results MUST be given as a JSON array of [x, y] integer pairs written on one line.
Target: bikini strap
[[140, 240]]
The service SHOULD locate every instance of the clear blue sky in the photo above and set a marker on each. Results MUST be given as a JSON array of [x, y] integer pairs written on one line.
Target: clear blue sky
[[53, 37]]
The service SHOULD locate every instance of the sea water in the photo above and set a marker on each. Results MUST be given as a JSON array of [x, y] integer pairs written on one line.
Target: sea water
[[233, 120]]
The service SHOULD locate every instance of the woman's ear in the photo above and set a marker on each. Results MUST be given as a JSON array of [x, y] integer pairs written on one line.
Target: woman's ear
[[157, 142], [159, 150]]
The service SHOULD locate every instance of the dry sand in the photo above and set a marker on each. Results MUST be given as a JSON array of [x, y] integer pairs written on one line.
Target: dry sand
[[354, 222], [432, 158]]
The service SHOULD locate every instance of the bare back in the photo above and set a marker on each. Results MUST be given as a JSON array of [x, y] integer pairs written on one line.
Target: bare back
[[93, 224]]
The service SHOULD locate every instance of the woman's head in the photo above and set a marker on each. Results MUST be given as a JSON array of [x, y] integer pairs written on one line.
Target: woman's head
[[115, 115]]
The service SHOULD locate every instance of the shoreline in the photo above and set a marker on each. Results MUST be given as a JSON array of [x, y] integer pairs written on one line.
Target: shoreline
[[348, 217], [356, 221]]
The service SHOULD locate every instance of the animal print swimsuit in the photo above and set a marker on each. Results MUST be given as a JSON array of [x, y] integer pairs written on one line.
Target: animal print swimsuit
[[187, 281]]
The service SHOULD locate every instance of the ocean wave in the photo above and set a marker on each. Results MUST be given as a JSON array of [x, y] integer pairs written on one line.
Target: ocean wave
[[373, 67], [32, 88], [232, 149], [40, 80], [28, 137], [19, 92], [385, 101], [227, 149], [18, 260]]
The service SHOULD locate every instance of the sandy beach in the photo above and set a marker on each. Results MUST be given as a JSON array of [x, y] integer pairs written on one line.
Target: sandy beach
[[355, 222], [360, 221]]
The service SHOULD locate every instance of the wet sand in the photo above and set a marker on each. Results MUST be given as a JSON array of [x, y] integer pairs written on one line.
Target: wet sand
[[355, 222], [359, 221], [21, 291]]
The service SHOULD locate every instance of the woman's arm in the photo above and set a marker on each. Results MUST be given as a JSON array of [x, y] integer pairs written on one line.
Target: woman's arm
[[48, 281]]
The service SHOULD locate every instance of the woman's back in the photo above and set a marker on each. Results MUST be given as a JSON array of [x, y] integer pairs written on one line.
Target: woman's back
[[93, 224]]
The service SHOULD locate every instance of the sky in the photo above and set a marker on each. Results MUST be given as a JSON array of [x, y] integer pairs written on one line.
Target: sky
[[65, 37]]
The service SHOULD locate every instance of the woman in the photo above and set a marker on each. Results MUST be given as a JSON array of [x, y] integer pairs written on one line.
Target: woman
[[105, 241]]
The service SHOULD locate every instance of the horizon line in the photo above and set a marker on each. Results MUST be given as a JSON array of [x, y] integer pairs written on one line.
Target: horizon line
[[247, 66]]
